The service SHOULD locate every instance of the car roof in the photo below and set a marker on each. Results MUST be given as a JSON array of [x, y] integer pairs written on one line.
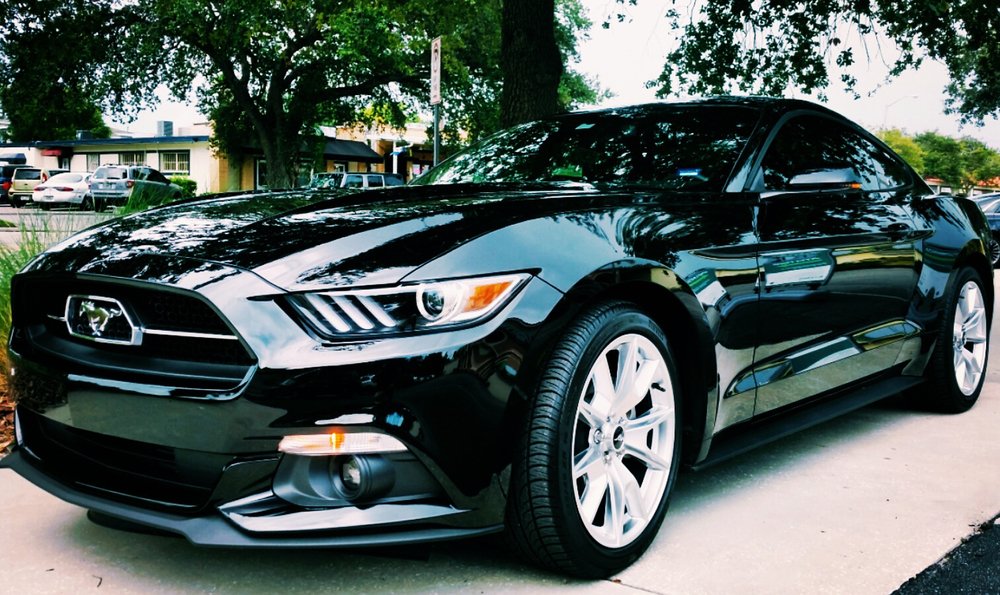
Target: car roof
[[773, 104]]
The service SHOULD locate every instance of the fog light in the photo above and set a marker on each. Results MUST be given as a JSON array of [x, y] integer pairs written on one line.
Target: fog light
[[362, 478], [339, 443], [350, 474]]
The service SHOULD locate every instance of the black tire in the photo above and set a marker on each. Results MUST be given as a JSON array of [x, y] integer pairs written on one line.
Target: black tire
[[45, 207], [15, 203], [87, 204], [543, 520], [943, 392], [99, 205]]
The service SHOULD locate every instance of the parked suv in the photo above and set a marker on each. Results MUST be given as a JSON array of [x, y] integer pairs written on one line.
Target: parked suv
[[23, 181], [355, 179], [112, 185]]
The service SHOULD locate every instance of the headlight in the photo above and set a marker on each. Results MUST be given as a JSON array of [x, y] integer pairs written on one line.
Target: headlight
[[405, 308]]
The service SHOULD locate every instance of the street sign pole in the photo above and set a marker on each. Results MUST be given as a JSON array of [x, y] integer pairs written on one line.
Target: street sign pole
[[436, 94], [437, 133]]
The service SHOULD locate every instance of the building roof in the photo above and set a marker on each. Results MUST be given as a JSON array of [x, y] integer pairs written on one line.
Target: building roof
[[347, 150], [144, 140]]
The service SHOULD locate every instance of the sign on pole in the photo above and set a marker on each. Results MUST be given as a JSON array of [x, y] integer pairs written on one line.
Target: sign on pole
[[436, 71]]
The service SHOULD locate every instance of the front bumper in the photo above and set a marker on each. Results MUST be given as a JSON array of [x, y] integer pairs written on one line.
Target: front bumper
[[204, 463], [216, 530]]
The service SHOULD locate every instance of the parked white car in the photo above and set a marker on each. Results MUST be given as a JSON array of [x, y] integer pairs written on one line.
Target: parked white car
[[70, 189]]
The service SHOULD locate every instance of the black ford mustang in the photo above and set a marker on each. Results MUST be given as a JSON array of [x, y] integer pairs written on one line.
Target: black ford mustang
[[534, 336]]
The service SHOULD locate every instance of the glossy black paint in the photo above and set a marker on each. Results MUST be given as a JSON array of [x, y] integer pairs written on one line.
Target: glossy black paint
[[756, 287]]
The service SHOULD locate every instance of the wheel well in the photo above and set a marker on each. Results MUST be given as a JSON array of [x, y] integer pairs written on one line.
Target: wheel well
[[690, 345], [982, 266]]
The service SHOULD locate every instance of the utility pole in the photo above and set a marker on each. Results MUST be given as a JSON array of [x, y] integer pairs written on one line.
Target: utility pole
[[436, 94]]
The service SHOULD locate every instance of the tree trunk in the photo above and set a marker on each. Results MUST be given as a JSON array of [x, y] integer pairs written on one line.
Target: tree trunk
[[281, 157], [530, 61]]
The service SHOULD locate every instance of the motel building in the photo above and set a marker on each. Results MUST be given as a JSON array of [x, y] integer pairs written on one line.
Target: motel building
[[186, 151]]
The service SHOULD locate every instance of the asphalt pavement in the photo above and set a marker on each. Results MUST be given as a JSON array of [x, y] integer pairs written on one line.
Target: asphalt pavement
[[859, 505]]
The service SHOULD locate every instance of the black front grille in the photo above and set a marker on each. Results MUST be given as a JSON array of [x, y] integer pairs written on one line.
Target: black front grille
[[127, 470], [185, 342]]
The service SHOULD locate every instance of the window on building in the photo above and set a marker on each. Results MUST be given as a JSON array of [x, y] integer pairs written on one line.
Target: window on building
[[175, 162], [261, 177], [132, 158], [93, 161]]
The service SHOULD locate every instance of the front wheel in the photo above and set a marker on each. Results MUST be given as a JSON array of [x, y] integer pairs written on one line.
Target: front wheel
[[598, 456], [994, 252], [957, 367]]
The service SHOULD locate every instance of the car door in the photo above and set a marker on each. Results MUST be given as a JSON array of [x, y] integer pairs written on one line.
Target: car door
[[837, 260]]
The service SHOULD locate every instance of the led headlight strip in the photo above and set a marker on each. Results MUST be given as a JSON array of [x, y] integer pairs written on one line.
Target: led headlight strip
[[406, 308]]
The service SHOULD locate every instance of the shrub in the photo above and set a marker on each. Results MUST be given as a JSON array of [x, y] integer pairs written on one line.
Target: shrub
[[188, 186]]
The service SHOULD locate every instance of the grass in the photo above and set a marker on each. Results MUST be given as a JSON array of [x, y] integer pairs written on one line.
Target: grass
[[36, 233]]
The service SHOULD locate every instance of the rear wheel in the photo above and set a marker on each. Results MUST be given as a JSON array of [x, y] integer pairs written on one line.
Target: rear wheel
[[45, 207], [599, 454], [958, 365], [87, 204], [994, 251]]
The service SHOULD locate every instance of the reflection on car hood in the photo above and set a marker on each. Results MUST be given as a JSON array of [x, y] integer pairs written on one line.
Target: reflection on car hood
[[307, 240]]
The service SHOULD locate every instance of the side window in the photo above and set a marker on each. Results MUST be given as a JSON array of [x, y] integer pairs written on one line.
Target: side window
[[354, 181], [810, 146], [891, 173], [375, 181], [155, 176]]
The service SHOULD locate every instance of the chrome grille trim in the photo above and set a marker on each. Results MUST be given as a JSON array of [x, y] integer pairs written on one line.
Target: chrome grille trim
[[189, 335]]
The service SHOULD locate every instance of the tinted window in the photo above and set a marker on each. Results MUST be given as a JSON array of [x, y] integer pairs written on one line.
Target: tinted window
[[374, 181], [670, 147], [354, 181], [28, 174], [155, 176], [393, 181], [810, 146]]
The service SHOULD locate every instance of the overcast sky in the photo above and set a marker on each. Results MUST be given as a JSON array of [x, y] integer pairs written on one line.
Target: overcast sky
[[626, 56]]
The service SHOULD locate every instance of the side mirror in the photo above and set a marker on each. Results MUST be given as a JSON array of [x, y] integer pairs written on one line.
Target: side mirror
[[843, 178]]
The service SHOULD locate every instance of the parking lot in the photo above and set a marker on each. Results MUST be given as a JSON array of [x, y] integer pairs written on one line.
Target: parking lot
[[857, 505]]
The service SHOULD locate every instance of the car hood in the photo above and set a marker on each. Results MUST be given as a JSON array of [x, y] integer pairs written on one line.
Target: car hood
[[305, 240]]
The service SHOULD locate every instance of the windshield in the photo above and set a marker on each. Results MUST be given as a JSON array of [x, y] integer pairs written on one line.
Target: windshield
[[669, 147]]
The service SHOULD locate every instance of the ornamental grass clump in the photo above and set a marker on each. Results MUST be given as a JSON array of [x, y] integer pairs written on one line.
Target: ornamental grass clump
[[34, 233]]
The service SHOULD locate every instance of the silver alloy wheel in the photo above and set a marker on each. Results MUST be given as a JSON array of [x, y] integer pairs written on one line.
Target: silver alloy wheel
[[623, 440], [994, 252], [969, 338]]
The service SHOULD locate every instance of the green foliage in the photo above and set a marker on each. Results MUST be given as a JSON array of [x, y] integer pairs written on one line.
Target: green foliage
[[905, 146], [52, 55], [770, 46], [188, 186], [36, 234], [962, 163]]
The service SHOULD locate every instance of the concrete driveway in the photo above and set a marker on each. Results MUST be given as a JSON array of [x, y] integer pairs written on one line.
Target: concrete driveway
[[857, 505]]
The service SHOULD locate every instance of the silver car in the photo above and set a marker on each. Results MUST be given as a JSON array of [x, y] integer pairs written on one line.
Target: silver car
[[113, 185]]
